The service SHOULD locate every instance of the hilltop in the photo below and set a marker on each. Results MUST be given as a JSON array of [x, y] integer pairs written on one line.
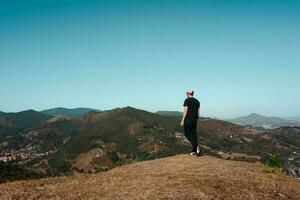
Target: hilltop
[[75, 112], [178, 177]]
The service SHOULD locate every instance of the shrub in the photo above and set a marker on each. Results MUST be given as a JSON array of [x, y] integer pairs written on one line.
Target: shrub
[[275, 161]]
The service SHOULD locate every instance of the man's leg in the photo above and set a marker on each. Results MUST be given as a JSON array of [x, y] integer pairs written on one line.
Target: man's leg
[[188, 132], [194, 137], [196, 146]]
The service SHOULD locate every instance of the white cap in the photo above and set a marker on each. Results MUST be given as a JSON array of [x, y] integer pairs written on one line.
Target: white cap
[[190, 91]]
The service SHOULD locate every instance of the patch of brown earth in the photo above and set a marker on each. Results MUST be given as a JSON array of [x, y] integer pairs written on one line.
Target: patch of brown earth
[[179, 177]]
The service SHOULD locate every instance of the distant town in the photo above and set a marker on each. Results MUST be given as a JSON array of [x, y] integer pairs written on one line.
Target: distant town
[[18, 155]]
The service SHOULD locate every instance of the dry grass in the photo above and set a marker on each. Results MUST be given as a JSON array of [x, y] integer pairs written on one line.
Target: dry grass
[[178, 177]]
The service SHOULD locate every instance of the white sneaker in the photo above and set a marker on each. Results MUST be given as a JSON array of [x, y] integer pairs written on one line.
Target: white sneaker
[[199, 150], [193, 153]]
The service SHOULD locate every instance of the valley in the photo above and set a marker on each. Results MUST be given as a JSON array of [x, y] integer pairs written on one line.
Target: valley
[[99, 141]]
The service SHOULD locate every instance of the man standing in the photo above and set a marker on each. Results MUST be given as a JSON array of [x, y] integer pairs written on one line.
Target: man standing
[[189, 121]]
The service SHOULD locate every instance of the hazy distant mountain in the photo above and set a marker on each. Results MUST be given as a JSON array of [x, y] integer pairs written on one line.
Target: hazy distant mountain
[[169, 113], [257, 120], [76, 112], [293, 118], [18, 122]]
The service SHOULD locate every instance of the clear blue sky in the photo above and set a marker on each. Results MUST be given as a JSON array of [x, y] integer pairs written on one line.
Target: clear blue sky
[[238, 56]]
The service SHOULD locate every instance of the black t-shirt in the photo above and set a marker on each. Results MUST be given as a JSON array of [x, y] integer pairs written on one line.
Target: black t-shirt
[[193, 106]]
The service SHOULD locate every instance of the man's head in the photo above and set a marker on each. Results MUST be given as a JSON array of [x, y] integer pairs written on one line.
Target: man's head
[[190, 93]]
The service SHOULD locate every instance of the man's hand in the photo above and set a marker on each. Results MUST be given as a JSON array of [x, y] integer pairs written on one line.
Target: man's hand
[[181, 123]]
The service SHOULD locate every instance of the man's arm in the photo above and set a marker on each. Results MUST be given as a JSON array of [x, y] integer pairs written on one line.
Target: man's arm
[[198, 112], [185, 108]]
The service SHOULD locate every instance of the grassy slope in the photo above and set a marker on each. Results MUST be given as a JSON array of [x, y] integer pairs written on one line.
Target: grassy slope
[[114, 127], [23, 120]]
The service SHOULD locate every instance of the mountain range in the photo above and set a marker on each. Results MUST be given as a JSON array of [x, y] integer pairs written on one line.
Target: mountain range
[[20, 121], [11, 123], [99, 141], [75, 112], [257, 120]]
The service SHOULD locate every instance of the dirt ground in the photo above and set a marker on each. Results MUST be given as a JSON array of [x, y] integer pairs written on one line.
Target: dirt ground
[[179, 177]]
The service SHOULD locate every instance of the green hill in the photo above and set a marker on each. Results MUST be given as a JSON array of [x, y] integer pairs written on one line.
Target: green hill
[[18, 122], [123, 135], [76, 112]]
